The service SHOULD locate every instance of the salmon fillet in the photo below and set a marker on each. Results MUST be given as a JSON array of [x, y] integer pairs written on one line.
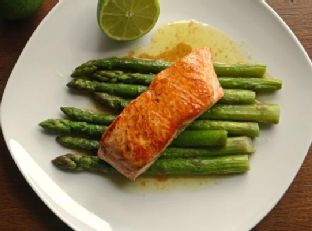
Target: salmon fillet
[[177, 96]]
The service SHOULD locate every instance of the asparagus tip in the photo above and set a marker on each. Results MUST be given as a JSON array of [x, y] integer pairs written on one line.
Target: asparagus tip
[[66, 110], [66, 162], [46, 123], [43, 123], [63, 108], [70, 84]]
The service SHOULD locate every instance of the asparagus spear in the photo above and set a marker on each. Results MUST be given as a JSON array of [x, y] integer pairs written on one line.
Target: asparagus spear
[[85, 69], [78, 143], [139, 65], [130, 90], [230, 97], [200, 138], [114, 102], [255, 84], [250, 129], [186, 138], [236, 96], [155, 66], [241, 70], [123, 77], [87, 116], [126, 90], [258, 85], [64, 126], [234, 145], [261, 113], [220, 165]]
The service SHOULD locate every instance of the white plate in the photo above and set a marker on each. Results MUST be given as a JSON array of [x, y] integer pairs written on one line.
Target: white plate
[[68, 36]]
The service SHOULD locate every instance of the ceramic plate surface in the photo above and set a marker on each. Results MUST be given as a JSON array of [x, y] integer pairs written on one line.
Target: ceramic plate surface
[[68, 36]]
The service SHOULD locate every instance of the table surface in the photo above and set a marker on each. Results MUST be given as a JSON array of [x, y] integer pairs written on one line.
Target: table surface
[[21, 209]]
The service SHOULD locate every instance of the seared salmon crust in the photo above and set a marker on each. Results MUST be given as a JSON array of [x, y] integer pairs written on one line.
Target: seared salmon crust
[[177, 96]]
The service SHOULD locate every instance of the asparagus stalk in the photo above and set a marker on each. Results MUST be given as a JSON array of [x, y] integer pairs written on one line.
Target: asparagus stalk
[[114, 102], [85, 69], [78, 143], [241, 70], [87, 116], [230, 97], [126, 90], [261, 113], [185, 139], [220, 165], [130, 90], [123, 77], [64, 126], [255, 84], [250, 129], [155, 66], [234, 145], [200, 138], [138, 65], [236, 96], [258, 85]]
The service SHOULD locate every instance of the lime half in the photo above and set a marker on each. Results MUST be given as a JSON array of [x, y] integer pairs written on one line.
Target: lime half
[[18, 9], [126, 20]]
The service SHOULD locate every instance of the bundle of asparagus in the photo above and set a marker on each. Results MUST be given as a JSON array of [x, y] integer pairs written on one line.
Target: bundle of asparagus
[[218, 142]]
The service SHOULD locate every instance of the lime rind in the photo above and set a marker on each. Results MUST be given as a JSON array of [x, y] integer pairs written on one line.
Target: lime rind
[[18, 9]]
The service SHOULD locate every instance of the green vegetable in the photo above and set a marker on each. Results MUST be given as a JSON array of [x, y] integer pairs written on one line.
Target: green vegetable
[[78, 143], [255, 84], [234, 145], [261, 113], [250, 129], [219, 165], [200, 138], [114, 102], [123, 77], [115, 63], [155, 66], [85, 69], [258, 85], [130, 90], [64, 126], [238, 97], [119, 89], [87, 116], [240, 70], [233, 128], [188, 138]]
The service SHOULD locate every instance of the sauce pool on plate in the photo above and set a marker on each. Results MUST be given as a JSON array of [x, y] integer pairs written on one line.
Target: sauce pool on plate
[[175, 40]]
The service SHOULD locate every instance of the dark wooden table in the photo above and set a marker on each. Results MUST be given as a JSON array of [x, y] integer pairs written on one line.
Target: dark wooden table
[[21, 209]]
